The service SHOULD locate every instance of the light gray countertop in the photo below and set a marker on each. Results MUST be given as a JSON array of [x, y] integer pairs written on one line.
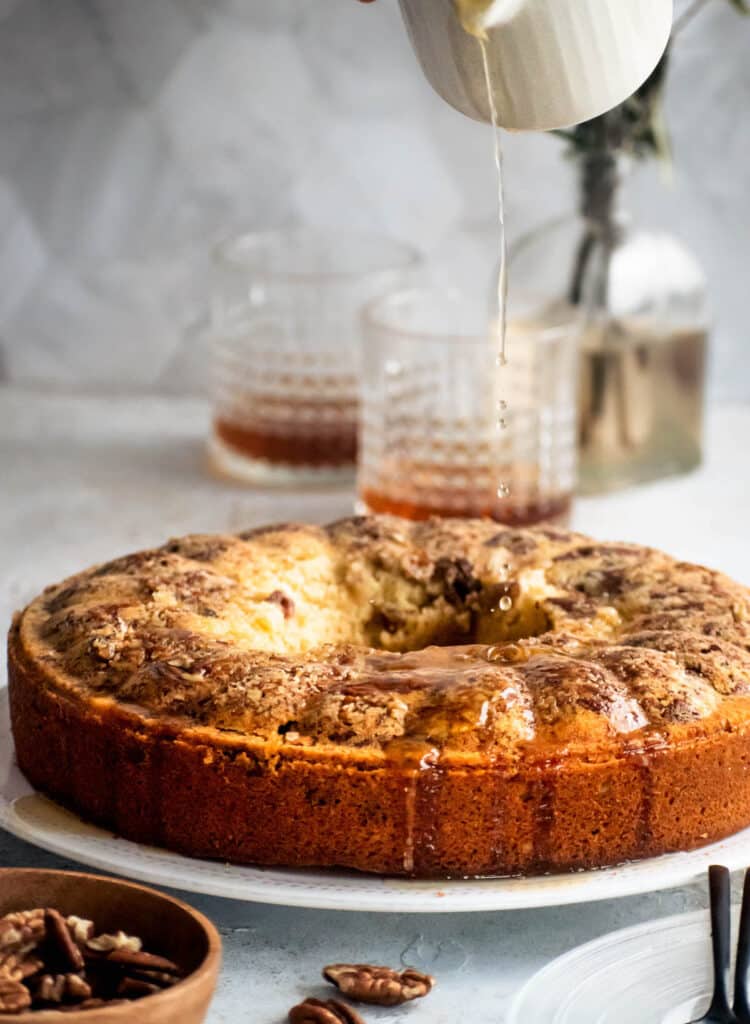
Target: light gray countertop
[[82, 480]]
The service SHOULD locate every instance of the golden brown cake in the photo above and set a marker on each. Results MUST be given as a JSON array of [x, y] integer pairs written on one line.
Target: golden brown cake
[[431, 699]]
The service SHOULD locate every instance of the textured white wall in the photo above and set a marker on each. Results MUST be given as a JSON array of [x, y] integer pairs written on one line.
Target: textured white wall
[[133, 130]]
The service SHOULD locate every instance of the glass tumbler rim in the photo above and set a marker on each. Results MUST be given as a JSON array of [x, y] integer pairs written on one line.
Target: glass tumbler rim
[[245, 251], [374, 318]]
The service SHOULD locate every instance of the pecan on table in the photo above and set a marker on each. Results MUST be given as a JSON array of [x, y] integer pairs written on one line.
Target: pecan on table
[[14, 996], [381, 986], [319, 1011]]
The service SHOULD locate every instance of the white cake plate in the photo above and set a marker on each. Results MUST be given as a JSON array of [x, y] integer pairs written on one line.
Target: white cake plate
[[32, 817]]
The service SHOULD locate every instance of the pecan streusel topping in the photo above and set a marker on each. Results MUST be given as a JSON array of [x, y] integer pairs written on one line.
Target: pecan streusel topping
[[455, 633]]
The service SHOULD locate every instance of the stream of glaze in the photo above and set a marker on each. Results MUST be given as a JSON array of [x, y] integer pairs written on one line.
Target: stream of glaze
[[502, 274]]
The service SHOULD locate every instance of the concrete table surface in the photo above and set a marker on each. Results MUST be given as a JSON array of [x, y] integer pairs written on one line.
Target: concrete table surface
[[85, 479]]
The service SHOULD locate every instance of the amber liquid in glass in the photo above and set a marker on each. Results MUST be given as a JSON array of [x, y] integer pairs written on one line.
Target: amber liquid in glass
[[295, 444], [418, 490], [511, 511]]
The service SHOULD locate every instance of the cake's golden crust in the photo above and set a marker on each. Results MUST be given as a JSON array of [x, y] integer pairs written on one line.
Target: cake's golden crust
[[177, 697]]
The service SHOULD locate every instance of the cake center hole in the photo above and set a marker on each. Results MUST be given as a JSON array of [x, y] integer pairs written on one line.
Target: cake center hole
[[489, 614]]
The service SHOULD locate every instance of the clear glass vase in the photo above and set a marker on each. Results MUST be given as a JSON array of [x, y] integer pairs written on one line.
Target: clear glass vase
[[643, 335]]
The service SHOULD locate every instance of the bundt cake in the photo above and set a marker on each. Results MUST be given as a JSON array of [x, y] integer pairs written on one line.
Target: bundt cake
[[447, 698]]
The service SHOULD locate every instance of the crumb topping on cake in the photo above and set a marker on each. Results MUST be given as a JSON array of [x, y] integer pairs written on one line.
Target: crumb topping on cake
[[455, 634]]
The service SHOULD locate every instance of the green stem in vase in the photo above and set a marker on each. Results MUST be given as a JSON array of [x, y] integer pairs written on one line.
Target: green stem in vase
[[634, 129]]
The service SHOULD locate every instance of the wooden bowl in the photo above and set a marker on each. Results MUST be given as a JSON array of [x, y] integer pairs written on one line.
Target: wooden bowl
[[165, 925]]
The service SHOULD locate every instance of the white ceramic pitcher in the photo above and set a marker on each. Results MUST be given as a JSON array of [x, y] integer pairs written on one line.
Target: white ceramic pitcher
[[553, 62]]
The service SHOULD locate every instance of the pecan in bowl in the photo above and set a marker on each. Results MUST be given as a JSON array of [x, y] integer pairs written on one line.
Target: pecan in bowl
[[82, 948]]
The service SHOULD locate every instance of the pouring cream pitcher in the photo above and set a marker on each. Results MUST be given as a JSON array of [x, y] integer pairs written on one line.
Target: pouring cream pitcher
[[552, 63]]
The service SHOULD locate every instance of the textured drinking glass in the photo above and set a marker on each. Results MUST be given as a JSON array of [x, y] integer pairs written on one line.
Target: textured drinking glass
[[286, 350], [449, 429]]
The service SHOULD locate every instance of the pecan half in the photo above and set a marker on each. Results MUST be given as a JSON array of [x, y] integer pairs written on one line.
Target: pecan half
[[379, 985], [319, 1011], [22, 931], [136, 988], [19, 965], [62, 945], [106, 943], [137, 960], [162, 979], [14, 996], [81, 929], [77, 987], [50, 988], [54, 988]]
